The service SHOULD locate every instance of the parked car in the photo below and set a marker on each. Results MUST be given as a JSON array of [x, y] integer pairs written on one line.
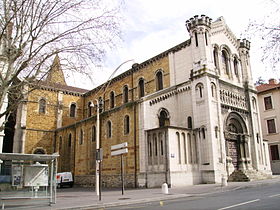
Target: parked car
[[64, 179]]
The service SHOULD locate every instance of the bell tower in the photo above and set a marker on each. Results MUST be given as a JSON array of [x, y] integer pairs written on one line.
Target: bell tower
[[244, 48], [199, 28]]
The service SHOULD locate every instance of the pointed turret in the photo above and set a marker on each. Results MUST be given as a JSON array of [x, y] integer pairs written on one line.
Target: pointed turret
[[56, 75]]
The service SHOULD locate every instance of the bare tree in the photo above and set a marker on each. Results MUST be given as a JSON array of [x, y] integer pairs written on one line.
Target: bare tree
[[32, 32], [267, 28]]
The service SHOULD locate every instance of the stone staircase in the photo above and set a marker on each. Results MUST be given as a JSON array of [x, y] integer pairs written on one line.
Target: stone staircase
[[248, 175]]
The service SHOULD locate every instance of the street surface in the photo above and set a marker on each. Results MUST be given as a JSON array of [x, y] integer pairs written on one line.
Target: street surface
[[262, 197]]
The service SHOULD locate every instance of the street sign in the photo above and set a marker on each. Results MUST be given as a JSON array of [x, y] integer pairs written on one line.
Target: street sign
[[119, 146], [120, 149], [119, 152]]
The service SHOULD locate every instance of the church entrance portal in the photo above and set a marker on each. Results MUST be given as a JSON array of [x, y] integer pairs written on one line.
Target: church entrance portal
[[235, 132]]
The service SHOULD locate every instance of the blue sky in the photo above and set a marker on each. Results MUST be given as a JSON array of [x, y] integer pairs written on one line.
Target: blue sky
[[150, 27]]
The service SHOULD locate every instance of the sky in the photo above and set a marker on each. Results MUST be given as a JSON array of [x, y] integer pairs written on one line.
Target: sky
[[150, 27]]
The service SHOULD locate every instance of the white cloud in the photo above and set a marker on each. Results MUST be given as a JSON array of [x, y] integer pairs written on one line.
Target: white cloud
[[153, 26]]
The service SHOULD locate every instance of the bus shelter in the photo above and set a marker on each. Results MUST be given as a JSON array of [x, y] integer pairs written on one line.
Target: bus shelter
[[27, 179]]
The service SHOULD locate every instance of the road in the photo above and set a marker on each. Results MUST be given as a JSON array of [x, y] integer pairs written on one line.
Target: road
[[257, 198]]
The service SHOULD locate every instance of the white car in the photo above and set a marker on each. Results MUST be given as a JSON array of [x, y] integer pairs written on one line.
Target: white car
[[64, 179]]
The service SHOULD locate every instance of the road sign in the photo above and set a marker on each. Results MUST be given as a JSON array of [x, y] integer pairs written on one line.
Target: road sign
[[119, 146], [119, 152]]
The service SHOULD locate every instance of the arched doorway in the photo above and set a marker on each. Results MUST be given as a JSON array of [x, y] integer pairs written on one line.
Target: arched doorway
[[235, 136]]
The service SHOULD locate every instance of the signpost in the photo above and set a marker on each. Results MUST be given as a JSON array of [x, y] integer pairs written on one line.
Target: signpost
[[120, 149]]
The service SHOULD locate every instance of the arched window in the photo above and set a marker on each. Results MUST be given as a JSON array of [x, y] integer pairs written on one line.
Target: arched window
[[73, 110], [159, 80], [112, 99], [216, 58], [126, 124], [141, 86], [235, 65], [163, 118], [125, 94], [81, 138], [42, 106], [69, 140], [109, 129], [190, 122], [89, 109], [213, 90], [93, 133], [225, 61], [199, 90]]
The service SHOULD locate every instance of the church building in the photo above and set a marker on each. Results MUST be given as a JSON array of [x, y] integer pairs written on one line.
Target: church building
[[189, 115]]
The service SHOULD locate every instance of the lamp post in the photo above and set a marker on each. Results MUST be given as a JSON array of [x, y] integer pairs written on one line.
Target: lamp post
[[99, 154]]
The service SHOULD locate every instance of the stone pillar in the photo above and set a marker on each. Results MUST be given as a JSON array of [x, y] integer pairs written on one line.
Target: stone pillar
[[242, 153]]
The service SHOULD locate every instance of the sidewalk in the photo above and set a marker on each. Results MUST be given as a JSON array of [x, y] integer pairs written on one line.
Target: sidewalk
[[86, 198]]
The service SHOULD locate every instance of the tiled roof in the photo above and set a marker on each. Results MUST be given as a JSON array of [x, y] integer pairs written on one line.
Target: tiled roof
[[62, 87], [265, 87]]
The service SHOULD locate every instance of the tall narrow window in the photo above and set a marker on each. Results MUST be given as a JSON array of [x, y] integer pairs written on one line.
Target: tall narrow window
[[267, 103], [235, 66], [159, 80], [126, 124], [213, 90], [225, 62], [42, 106], [81, 137], [161, 147], [89, 109], [141, 88], [199, 90], [216, 58], [125, 94], [73, 110], [179, 148], [150, 149], [112, 99], [190, 122], [206, 38], [189, 149], [155, 145], [109, 129], [203, 132], [184, 147], [93, 133], [196, 39], [69, 140], [271, 128]]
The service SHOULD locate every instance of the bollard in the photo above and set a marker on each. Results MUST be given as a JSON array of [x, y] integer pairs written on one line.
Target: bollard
[[224, 181], [164, 188]]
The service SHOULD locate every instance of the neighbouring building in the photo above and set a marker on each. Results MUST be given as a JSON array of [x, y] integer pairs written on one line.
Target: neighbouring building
[[269, 103], [188, 114]]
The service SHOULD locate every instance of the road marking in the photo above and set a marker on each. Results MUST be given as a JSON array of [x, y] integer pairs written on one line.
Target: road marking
[[239, 204], [271, 196], [161, 203]]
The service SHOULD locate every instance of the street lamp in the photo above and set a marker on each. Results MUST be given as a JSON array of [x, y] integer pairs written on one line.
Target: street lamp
[[99, 104]]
